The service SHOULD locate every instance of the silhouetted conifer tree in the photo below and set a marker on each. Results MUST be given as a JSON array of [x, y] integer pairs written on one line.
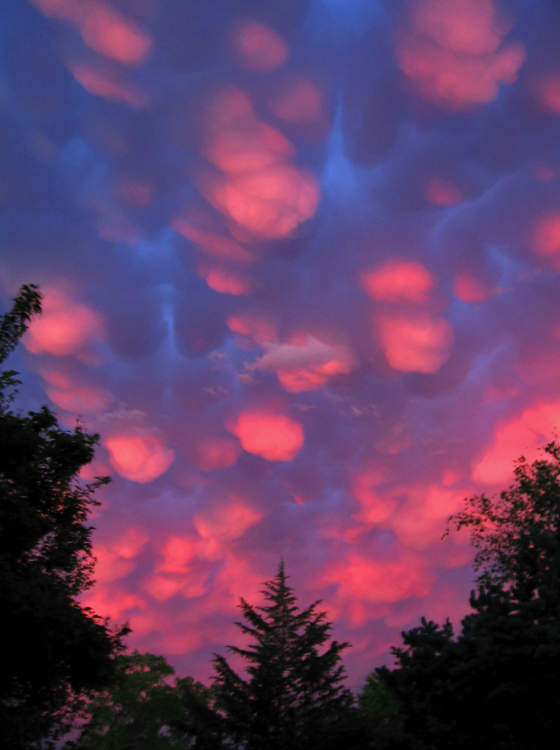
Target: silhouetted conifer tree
[[292, 697]]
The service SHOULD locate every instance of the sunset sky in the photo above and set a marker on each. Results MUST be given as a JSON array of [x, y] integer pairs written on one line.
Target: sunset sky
[[300, 262]]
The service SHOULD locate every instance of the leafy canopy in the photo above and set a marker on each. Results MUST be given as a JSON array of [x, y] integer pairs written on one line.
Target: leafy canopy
[[54, 648]]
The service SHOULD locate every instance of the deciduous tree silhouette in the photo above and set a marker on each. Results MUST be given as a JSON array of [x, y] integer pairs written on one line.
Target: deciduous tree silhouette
[[500, 679], [53, 649]]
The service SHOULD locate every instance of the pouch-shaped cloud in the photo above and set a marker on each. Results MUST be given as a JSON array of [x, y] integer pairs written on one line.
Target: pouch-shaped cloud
[[453, 52], [259, 189], [270, 203], [306, 365], [261, 330], [212, 242], [268, 434], [224, 281], [138, 456], [213, 453], [102, 28], [468, 288], [226, 522], [399, 281], [546, 236], [247, 146], [522, 435], [116, 560], [414, 343], [549, 93], [441, 192], [379, 581], [257, 47], [103, 83], [65, 326]]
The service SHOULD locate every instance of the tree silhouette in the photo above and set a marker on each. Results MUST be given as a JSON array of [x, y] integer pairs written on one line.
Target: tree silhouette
[[53, 649], [500, 678], [293, 695]]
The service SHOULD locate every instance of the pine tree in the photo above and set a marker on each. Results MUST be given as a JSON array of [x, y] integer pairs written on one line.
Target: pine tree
[[293, 695]]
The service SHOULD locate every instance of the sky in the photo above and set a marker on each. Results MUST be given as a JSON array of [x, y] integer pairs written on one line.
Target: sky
[[300, 264]]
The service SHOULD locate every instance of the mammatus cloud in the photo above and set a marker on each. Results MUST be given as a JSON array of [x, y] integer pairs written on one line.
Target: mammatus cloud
[[305, 365], [454, 53], [268, 434], [300, 265]]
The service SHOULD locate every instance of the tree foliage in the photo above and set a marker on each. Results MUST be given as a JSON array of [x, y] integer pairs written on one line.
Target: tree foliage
[[500, 678], [292, 696], [144, 710], [54, 649]]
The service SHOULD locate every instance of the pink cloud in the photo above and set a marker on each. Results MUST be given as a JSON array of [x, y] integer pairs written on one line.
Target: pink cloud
[[138, 457], [545, 240], [521, 435], [306, 364], [454, 54], [224, 281], [257, 47], [441, 192], [104, 83], [470, 289], [259, 189], [268, 434], [103, 29], [399, 281], [414, 343], [226, 522], [64, 328]]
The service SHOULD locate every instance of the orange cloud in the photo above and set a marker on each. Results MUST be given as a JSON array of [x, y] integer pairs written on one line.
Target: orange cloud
[[415, 344], [138, 457], [103, 83], [102, 28], [257, 47], [453, 52], [306, 365], [268, 434], [399, 281], [522, 435], [64, 328]]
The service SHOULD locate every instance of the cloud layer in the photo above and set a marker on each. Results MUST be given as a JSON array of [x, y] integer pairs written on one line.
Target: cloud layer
[[300, 264]]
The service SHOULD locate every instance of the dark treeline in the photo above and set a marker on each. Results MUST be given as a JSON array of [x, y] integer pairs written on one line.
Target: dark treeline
[[495, 682]]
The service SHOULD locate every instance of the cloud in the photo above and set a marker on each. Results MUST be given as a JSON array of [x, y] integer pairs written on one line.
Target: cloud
[[273, 436], [138, 457], [102, 28], [416, 343], [65, 326], [257, 47], [399, 281], [453, 52], [305, 365]]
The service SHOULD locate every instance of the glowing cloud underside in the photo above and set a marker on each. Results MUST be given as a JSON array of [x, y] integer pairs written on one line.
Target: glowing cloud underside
[[271, 436]]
